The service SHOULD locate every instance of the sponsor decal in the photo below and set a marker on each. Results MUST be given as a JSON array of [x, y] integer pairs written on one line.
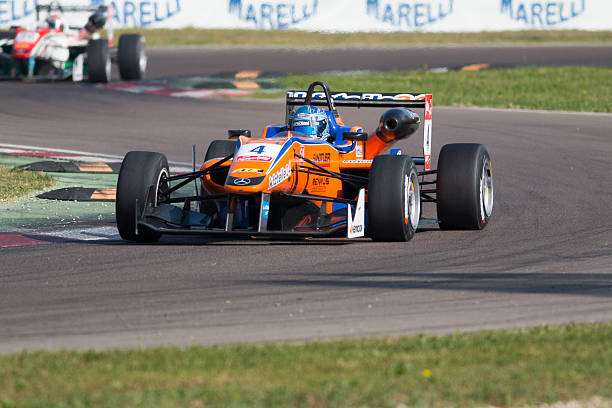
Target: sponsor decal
[[359, 151], [265, 208], [542, 13], [322, 158], [14, 10], [254, 158], [408, 14], [320, 181], [355, 225], [357, 161], [242, 181], [273, 14], [248, 170], [280, 176], [356, 229], [302, 151], [319, 184], [140, 13]]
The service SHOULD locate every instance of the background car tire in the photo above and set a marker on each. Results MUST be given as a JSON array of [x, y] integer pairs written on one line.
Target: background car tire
[[139, 170], [8, 35], [464, 186], [132, 57], [219, 149], [394, 199], [98, 61]]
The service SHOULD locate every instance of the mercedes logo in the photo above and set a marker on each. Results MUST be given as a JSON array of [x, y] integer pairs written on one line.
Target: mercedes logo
[[242, 181]]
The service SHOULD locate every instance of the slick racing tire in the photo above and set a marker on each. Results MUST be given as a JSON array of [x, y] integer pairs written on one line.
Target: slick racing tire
[[132, 57], [219, 149], [139, 170], [8, 35], [98, 61], [394, 199], [464, 186]]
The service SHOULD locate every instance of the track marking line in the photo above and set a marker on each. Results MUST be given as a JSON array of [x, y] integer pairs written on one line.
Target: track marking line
[[246, 84], [247, 74], [104, 194], [95, 167]]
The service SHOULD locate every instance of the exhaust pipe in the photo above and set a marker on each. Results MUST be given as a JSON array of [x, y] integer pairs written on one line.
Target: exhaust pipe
[[396, 124]]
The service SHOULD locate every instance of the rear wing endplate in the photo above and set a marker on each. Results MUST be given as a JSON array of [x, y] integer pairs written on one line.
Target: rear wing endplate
[[373, 100]]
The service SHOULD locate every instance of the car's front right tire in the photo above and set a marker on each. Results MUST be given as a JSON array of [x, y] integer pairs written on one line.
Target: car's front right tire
[[98, 61], [394, 199], [139, 171]]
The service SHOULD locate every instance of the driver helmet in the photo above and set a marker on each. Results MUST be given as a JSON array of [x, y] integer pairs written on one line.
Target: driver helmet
[[309, 120], [54, 22]]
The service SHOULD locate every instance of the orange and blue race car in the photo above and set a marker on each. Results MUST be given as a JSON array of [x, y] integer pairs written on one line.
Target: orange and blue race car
[[313, 176]]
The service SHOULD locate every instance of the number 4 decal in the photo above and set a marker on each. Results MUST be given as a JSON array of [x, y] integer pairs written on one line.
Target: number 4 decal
[[259, 149]]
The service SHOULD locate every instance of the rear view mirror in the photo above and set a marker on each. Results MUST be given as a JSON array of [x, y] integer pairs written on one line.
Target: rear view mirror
[[355, 136], [235, 133]]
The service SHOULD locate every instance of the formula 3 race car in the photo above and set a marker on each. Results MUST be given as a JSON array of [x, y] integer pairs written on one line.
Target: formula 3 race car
[[56, 51], [290, 184]]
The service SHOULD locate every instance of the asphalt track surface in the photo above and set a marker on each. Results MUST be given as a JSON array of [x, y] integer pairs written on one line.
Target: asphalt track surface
[[545, 257]]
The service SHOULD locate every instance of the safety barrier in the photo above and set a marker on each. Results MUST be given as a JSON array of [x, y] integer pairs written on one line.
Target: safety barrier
[[343, 15]]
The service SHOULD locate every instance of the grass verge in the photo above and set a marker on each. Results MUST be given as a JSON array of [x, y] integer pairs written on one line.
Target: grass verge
[[550, 88], [500, 368], [205, 37], [16, 183]]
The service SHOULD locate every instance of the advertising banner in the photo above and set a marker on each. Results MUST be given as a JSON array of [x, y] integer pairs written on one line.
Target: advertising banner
[[342, 15]]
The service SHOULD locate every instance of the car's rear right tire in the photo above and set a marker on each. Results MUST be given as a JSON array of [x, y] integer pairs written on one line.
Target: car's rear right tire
[[138, 172], [464, 186], [98, 61], [132, 57], [394, 199]]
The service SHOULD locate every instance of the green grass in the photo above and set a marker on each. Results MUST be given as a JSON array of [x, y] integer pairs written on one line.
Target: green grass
[[500, 368], [194, 36], [16, 183], [551, 88]]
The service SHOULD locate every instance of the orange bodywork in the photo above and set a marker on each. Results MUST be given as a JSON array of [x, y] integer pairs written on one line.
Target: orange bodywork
[[274, 165]]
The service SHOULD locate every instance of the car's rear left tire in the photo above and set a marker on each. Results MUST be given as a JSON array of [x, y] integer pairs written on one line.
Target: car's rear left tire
[[394, 199], [464, 186], [132, 57], [98, 61], [138, 172], [219, 149]]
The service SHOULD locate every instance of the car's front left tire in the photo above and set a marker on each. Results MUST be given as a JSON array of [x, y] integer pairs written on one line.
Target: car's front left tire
[[464, 186]]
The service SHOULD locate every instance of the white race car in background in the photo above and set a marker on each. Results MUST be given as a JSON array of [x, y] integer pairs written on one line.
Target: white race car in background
[[55, 51]]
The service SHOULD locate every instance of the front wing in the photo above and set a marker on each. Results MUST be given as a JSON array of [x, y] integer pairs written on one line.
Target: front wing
[[265, 216]]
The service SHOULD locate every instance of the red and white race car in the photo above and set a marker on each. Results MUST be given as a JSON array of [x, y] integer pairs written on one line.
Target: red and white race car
[[56, 51]]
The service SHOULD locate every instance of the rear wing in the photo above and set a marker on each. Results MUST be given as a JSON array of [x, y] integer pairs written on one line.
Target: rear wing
[[369, 100]]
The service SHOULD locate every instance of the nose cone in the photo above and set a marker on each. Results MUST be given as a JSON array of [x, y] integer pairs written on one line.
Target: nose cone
[[245, 183]]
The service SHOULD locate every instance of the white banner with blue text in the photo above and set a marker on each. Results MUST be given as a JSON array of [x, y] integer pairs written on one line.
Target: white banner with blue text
[[340, 15]]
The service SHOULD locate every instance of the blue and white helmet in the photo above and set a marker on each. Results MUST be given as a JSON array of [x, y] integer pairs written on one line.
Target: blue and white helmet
[[309, 120]]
